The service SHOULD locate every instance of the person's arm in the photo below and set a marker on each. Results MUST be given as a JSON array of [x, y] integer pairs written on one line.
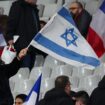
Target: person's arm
[[12, 22], [12, 68]]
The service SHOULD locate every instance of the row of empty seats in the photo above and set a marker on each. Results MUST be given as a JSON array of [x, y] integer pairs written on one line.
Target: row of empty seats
[[82, 78]]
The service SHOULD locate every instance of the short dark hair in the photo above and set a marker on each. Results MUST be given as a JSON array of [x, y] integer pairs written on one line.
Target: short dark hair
[[61, 82], [79, 4], [83, 96], [21, 96]]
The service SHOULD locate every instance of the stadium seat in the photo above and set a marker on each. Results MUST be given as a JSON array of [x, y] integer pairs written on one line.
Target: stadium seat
[[46, 2], [82, 72], [46, 85], [100, 70], [60, 2], [74, 82], [41, 9], [24, 86], [1, 10], [62, 70], [49, 11], [6, 4], [89, 82], [68, 1], [92, 6], [23, 73], [52, 62], [39, 61], [35, 73]]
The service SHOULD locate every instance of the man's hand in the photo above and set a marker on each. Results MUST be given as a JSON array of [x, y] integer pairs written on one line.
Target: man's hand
[[10, 42], [22, 53]]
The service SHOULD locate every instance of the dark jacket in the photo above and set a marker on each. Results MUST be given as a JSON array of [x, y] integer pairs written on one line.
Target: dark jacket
[[83, 21], [6, 71], [98, 95], [23, 21], [56, 97]]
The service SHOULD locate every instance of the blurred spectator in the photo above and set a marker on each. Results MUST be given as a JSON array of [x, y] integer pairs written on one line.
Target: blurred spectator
[[98, 95], [24, 21], [82, 98], [60, 95], [3, 24], [7, 71], [81, 17], [20, 99]]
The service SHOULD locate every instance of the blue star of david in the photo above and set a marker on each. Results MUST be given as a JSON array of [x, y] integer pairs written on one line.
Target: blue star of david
[[70, 37]]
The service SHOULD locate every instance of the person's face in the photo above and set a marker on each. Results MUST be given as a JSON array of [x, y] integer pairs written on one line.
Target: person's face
[[18, 101], [68, 88], [31, 1], [74, 9], [79, 102]]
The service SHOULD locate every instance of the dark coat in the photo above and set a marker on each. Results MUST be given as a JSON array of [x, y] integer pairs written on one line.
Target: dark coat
[[56, 97], [98, 95], [83, 22], [6, 71], [23, 21]]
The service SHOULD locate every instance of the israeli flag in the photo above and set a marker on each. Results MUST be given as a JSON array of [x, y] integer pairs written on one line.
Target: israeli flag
[[33, 96], [61, 39]]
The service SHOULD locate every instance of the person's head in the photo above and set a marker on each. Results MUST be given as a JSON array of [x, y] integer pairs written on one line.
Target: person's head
[[42, 23], [20, 99], [76, 8], [33, 2], [82, 98], [62, 82]]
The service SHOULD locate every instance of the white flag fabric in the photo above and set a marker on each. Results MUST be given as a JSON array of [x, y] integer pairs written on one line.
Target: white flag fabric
[[61, 39], [33, 96]]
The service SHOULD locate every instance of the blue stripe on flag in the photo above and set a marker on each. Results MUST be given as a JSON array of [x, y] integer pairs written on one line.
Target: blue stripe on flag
[[66, 15], [36, 88], [103, 7], [65, 52]]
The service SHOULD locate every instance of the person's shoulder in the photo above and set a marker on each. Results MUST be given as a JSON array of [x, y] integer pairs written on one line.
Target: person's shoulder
[[66, 101], [17, 3], [85, 12]]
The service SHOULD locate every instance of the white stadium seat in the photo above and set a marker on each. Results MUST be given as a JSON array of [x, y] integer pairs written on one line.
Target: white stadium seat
[[68, 1], [23, 73], [50, 10], [74, 82], [39, 60], [100, 70], [24, 86], [46, 2], [82, 72], [62, 70], [52, 62], [46, 85], [92, 6], [35, 73], [41, 9], [89, 82], [6, 4]]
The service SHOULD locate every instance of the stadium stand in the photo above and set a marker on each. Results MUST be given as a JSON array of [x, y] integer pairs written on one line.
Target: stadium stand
[[81, 78]]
